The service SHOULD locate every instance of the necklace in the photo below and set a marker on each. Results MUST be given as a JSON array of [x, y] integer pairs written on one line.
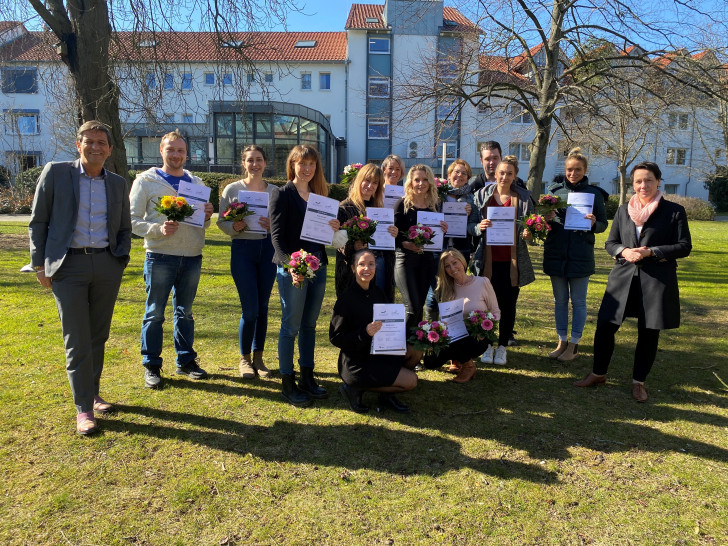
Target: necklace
[[469, 280]]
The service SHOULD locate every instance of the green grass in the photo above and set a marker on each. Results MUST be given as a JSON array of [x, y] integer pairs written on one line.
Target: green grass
[[517, 456]]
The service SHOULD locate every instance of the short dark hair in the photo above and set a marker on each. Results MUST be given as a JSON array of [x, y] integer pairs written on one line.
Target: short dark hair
[[253, 148], [648, 166], [93, 125], [491, 145]]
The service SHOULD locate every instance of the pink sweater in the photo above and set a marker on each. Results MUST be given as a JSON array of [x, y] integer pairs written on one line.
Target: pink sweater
[[478, 295]]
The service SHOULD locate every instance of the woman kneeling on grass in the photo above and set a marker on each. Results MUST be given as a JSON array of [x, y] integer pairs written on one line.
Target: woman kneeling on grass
[[454, 283], [351, 330]]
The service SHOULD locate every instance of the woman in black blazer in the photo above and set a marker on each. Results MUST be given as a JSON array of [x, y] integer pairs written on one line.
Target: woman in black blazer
[[647, 236]]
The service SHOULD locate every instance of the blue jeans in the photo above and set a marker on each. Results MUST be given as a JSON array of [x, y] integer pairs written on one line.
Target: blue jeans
[[253, 271], [564, 287], [164, 273], [300, 309]]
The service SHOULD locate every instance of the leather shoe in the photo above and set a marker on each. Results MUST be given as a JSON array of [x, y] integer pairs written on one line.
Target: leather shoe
[[639, 392], [591, 380], [353, 396], [102, 406], [393, 402], [86, 424]]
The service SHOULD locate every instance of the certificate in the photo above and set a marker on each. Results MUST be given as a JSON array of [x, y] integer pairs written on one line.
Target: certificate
[[196, 195], [384, 217], [392, 194], [456, 218], [432, 220], [581, 205], [502, 231], [319, 212], [391, 339], [258, 204], [451, 313]]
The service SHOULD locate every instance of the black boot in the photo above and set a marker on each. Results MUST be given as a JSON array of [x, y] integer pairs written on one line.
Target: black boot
[[292, 393], [394, 403], [308, 384], [353, 396]]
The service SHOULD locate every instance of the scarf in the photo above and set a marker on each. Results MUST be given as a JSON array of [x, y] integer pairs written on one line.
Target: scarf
[[639, 212]]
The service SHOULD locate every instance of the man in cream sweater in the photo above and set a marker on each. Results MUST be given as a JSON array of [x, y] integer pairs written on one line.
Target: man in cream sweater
[[173, 261]]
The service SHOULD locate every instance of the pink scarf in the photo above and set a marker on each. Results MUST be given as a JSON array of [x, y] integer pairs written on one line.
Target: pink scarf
[[639, 212]]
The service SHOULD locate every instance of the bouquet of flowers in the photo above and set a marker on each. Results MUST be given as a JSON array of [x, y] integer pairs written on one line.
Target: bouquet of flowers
[[303, 263], [481, 325], [430, 337], [350, 172], [547, 203], [236, 211], [175, 208], [420, 235], [443, 188], [360, 228], [537, 226]]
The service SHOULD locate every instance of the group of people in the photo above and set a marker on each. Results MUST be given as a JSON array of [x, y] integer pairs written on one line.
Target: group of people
[[80, 238]]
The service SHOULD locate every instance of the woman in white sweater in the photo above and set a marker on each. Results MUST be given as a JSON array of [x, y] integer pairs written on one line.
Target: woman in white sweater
[[251, 264]]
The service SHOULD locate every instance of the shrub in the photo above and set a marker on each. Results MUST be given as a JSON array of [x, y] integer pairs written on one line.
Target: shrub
[[26, 181], [695, 208], [717, 186], [4, 177], [612, 204], [15, 202], [211, 180]]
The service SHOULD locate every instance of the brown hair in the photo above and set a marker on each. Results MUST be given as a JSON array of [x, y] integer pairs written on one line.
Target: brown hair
[[303, 152], [511, 160], [431, 198], [445, 290], [462, 162], [174, 135], [251, 148], [368, 171], [93, 125], [575, 153]]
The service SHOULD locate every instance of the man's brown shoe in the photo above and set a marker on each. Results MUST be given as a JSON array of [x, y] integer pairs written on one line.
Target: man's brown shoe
[[591, 380]]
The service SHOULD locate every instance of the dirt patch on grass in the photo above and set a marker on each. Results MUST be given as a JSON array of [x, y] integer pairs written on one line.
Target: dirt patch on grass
[[14, 241]]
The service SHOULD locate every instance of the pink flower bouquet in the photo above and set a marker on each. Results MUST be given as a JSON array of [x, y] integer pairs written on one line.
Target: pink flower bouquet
[[537, 226], [360, 228], [443, 188], [350, 172], [481, 325], [236, 211], [547, 203], [430, 337], [420, 235], [303, 263]]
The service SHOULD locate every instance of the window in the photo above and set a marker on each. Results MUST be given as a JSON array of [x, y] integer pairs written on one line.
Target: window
[[676, 156], [188, 118], [151, 80], [186, 82], [227, 79], [250, 77], [209, 78], [268, 77], [19, 80], [371, 20], [379, 46], [447, 110], [324, 81], [451, 150], [520, 150], [306, 81], [305, 43], [168, 81], [677, 121], [518, 115], [671, 188], [378, 129], [378, 87], [168, 118], [21, 122]]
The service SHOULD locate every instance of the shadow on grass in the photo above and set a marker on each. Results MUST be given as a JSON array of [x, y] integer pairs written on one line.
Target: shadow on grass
[[358, 446]]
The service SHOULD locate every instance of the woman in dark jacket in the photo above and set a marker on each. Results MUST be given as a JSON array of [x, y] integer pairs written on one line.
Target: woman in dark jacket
[[351, 330], [647, 236], [568, 255]]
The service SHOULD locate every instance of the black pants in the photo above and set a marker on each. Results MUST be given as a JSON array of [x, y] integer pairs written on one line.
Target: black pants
[[412, 275], [647, 339], [461, 350], [507, 297]]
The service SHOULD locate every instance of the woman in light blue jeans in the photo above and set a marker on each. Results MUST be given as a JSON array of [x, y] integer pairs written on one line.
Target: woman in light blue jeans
[[301, 298], [251, 264]]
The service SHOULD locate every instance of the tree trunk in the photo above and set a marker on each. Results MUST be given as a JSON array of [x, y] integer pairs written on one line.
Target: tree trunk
[[622, 183], [537, 159]]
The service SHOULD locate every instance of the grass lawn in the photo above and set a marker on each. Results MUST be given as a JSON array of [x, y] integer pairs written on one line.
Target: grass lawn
[[516, 456]]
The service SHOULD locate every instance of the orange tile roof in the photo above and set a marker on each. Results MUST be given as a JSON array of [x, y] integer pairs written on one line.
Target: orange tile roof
[[359, 13]]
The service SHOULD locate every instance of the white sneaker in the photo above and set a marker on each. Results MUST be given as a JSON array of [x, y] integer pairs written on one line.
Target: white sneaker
[[500, 355], [487, 357]]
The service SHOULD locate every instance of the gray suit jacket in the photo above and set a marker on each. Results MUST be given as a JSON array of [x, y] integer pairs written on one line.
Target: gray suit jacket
[[55, 212]]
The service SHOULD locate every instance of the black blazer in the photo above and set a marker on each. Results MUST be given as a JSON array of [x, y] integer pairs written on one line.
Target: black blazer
[[286, 213]]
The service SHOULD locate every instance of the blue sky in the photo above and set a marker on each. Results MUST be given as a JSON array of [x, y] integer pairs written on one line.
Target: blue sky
[[321, 15]]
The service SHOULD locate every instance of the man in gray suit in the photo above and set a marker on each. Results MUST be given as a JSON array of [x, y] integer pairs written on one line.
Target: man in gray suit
[[80, 238]]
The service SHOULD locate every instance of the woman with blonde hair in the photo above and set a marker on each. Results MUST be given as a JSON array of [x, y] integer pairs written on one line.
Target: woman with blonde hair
[[393, 170], [507, 266], [414, 268], [301, 299], [366, 190], [453, 283]]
